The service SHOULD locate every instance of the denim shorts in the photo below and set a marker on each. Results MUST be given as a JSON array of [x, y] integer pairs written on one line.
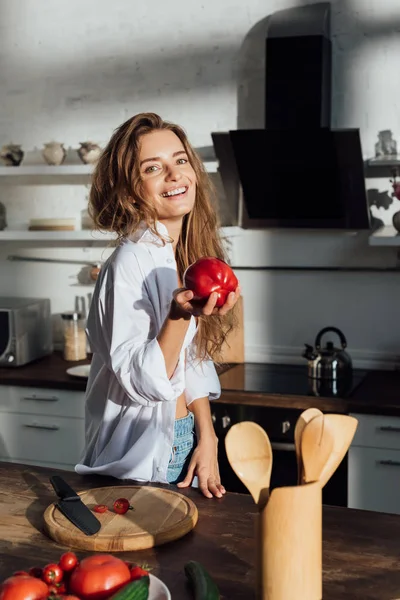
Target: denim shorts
[[182, 449]]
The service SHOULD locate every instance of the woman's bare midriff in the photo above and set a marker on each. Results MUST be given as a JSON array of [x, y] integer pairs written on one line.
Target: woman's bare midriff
[[181, 408]]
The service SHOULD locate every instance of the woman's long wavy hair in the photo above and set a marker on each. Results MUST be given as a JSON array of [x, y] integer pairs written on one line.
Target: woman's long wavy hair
[[116, 203]]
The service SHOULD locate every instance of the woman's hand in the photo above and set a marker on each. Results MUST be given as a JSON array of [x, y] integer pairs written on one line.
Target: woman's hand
[[204, 464], [183, 303]]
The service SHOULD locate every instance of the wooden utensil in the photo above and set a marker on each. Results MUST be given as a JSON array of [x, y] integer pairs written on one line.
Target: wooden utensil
[[250, 455], [302, 421], [159, 516], [343, 429], [291, 544], [316, 447]]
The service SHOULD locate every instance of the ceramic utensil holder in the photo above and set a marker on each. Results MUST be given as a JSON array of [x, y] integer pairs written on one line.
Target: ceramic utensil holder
[[289, 544]]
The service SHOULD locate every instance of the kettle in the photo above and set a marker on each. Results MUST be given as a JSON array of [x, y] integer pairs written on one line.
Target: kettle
[[328, 363]]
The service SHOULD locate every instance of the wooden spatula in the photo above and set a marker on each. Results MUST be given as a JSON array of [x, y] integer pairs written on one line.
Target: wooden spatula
[[316, 447], [343, 429], [302, 421], [250, 455]]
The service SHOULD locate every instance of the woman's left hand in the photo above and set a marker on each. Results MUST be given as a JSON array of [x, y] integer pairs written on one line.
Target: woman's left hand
[[204, 464]]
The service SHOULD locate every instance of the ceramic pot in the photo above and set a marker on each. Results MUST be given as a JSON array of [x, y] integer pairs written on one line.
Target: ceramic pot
[[89, 153], [396, 221], [12, 155], [54, 153]]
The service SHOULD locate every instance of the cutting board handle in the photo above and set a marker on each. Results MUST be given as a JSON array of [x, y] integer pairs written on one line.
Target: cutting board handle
[[289, 544]]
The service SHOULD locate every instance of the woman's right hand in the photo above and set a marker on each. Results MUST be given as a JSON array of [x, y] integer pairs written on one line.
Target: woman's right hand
[[184, 305]]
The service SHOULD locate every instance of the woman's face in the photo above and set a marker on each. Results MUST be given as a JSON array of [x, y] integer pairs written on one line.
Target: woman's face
[[169, 181]]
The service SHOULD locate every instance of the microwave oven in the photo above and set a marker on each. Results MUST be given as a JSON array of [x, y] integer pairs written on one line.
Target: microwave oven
[[25, 330]]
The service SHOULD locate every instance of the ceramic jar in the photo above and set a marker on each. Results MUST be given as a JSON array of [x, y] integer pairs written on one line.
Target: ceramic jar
[[12, 155], [54, 153], [89, 153]]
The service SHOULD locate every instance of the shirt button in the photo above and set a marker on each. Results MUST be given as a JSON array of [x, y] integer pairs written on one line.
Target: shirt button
[[170, 260]]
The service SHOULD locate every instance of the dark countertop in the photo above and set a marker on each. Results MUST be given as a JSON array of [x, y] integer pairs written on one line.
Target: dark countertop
[[360, 549], [377, 393]]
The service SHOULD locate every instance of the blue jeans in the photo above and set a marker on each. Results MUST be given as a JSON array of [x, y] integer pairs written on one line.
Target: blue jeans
[[182, 449]]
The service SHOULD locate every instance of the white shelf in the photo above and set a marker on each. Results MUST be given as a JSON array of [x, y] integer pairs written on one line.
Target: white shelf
[[56, 236], [69, 173], [84, 235], [46, 170], [385, 236]]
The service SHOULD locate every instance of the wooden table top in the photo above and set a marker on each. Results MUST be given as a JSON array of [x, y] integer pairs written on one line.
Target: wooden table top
[[361, 550]]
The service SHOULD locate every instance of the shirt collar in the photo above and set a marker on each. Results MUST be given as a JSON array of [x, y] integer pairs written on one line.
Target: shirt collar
[[144, 234]]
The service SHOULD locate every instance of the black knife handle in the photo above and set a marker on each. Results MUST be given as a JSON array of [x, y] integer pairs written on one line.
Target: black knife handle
[[62, 489]]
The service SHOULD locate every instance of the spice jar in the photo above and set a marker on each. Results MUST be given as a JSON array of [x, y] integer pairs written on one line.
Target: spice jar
[[74, 336]]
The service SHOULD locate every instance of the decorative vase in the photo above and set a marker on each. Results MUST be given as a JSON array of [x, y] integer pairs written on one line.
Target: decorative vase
[[3, 219], [396, 221], [54, 153], [12, 155], [89, 153]]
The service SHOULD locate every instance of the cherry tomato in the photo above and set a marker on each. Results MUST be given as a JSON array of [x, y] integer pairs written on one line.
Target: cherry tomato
[[138, 572], [121, 506], [210, 274], [68, 561], [53, 590], [23, 587], [99, 576], [36, 572], [52, 573], [100, 508]]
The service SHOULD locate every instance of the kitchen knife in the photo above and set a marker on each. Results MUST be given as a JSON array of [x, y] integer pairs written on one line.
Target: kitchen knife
[[73, 508]]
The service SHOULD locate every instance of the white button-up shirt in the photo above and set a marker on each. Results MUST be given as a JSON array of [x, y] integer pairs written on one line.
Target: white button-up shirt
[[130, 401]]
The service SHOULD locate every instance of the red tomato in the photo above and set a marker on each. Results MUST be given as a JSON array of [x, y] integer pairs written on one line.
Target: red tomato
[[100, 508], [98, 576], [121, 506], [210, 274], [137, 573], [23, 587], [68, 561], [52, 573]]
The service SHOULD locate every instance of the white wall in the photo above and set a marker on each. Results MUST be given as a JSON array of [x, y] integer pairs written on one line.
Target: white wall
[[74, 71]]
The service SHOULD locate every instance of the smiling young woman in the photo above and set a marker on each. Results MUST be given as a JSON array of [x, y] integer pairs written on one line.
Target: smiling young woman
[[152, 375]]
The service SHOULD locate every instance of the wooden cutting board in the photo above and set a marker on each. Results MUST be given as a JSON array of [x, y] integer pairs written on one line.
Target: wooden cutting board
[[159, 516]]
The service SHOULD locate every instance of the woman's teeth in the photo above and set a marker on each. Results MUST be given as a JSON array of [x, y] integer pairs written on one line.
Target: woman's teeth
[[175, 192]]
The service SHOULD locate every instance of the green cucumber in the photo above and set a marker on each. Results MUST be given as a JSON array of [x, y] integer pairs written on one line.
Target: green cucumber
[[203, 586], [136, 590]]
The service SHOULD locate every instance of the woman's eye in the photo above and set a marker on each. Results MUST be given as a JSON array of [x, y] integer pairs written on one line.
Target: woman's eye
[[182, 161], [151, 169]]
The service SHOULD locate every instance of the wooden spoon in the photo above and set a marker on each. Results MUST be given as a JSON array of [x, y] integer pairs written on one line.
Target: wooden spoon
[[316, 447], [302, 421], [250, 455], [343, 428]]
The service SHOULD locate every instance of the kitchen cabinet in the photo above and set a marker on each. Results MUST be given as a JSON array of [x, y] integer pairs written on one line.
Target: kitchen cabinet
[[40, 426], [374, 464]]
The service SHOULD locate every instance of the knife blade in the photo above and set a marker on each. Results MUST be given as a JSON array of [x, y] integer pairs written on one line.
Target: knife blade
[[72, 507]]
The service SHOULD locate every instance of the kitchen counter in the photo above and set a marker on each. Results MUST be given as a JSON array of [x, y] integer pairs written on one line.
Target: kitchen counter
[[377, 393], [360, 549]]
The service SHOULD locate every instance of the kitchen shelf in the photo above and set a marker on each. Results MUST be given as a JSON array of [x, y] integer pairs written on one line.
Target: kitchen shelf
[[382, 167], [56, 236], [385, 236], [84, 235], [26, 174]]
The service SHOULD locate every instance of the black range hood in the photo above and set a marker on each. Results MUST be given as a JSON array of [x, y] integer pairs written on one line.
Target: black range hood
[[296, 172]]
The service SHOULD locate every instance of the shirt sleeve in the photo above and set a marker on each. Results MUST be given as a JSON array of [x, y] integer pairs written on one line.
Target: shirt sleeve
[[129, 344], [201, 380]]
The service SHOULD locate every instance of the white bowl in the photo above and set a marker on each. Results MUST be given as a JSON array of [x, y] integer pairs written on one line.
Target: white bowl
[[158, 590]]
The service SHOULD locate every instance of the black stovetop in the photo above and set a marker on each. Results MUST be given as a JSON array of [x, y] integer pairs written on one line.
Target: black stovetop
[[286, 380]]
